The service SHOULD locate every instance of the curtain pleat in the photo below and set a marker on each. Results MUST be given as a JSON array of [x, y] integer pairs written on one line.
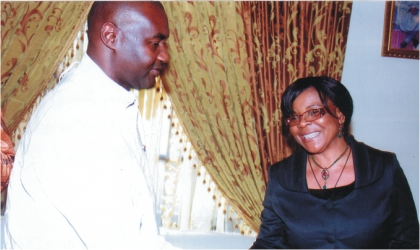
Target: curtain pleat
[[208, 83], [35, 38]]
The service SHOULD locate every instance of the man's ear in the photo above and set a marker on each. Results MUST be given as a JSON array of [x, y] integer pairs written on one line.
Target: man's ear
[[109, 35]]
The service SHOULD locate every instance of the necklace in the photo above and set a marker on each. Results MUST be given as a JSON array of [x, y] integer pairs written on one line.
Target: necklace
[[324, 172], [343, 169], [325, 186]]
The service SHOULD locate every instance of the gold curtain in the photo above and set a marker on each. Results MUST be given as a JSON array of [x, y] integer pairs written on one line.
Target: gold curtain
[[208, 81], [289, 40], [35, 37]]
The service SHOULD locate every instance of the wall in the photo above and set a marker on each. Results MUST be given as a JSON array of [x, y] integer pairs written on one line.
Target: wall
[[385, 91]]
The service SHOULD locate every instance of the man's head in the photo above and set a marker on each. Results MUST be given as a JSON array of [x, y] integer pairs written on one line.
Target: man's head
[[128, 41]]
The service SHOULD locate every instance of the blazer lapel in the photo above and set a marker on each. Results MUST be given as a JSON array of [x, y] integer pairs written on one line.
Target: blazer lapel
[[368, 163]]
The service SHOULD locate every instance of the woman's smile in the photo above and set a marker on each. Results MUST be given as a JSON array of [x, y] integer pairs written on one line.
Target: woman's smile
[[310, 136]]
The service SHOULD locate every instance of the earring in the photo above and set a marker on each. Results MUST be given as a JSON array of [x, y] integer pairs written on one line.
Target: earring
[[340, 131]]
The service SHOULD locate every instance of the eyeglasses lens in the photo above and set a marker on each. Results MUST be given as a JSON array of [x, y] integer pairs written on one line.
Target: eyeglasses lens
[[309, 116]]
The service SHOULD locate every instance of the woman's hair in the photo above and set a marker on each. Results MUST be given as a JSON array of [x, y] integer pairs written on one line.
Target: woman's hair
[[328, 90]]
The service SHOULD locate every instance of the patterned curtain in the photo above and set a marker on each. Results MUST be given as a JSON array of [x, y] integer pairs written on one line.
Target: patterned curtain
[[208, 82], [188, 197], [35, 37], [289, 40]]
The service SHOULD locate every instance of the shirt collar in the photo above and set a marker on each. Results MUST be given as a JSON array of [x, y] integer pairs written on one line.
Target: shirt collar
[[104, 86]]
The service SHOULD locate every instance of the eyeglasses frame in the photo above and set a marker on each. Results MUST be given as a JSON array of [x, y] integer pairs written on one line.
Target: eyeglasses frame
[[321, 111]]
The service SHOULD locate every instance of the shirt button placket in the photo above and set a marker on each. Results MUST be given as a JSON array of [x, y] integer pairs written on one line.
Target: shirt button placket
[[329, 205], [331, 239]]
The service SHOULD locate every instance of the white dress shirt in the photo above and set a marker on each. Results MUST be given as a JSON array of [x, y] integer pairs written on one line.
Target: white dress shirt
[[77, 180]]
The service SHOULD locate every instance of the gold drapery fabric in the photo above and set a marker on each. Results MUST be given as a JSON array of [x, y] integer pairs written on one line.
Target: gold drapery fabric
[[35, 37], [290, 40], [208, 81]]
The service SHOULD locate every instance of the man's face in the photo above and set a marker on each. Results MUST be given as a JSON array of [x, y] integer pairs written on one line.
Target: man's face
[[141, 53]]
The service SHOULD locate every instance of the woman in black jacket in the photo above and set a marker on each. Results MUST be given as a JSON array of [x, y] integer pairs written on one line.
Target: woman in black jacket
[[335, 192]]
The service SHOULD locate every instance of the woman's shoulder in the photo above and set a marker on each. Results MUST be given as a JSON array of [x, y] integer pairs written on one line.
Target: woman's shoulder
[[290, 172], [371, 164], [363, 150], [290, 161]]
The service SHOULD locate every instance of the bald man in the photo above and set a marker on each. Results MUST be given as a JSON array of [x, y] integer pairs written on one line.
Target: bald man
[[80, 174]]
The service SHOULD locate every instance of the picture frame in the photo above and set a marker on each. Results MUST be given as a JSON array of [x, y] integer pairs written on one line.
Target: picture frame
[[401, 35]]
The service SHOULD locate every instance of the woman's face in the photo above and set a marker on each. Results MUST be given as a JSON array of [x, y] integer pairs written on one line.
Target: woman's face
[[318, 135]]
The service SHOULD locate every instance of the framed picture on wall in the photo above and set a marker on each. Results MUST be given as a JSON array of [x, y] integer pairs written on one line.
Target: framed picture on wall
[[401, 29]]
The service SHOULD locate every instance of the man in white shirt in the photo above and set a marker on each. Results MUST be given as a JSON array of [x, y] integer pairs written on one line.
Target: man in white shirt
[[79, 174]]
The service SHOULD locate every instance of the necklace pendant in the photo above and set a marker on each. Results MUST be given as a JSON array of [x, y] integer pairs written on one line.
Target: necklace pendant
[[325, 174], [324, 187]]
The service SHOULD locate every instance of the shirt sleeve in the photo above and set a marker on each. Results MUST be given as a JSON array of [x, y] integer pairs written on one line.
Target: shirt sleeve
[[404, 228]]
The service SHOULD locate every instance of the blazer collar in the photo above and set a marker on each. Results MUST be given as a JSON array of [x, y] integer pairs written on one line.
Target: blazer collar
[[368, 167]]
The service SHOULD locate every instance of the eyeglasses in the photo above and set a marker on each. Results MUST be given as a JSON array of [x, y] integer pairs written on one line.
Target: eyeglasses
[[310, 115]]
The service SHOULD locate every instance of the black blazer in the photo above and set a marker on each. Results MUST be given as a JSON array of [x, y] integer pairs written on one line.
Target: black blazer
[[379, 212]]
